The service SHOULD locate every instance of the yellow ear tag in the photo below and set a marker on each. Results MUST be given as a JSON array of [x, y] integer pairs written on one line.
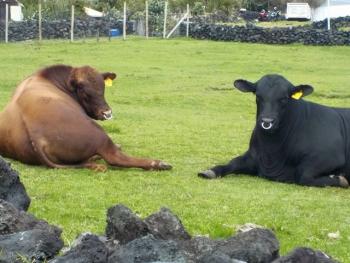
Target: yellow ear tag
[[108, 82], [297, 95]]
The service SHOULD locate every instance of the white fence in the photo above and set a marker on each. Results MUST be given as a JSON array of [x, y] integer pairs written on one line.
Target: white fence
[[170, 23]]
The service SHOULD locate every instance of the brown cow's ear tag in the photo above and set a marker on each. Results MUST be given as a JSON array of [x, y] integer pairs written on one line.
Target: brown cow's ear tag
[[297, 95], [108, 82]]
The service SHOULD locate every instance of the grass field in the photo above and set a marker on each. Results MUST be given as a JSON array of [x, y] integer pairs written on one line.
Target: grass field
[[174, 100]]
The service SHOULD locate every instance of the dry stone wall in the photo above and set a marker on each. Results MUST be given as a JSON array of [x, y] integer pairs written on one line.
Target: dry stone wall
[[316, 34]]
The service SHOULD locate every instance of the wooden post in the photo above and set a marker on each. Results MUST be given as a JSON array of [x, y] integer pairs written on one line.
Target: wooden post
[[188, 20], [7, 24], [165, 18], [40, 29], [72, 26], [146, 19], [124, 22]]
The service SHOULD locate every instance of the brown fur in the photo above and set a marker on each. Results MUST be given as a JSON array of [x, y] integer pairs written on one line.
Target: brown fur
[[48, 121]]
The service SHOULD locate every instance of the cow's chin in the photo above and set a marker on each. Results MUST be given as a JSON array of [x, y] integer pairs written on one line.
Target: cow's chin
[[97, 117], [102, 118]]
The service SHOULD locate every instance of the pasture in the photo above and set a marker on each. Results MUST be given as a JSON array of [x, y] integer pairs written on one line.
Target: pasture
[[174, 100]]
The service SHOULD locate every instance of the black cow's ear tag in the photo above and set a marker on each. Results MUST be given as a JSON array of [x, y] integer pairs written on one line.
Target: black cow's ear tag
[[297, 95]]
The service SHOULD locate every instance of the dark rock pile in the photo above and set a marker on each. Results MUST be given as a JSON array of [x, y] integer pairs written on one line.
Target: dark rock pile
[[60, 28], [254, 34], [11, 188], [160, 237], [336, 23], [22, 236], [316, 34]]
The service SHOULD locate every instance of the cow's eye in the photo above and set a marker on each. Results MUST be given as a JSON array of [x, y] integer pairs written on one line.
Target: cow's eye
[[283, 100]]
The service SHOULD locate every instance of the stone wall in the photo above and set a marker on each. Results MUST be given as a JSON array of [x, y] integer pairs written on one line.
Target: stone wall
[[308, 35], [60, 29], [316, 34], [336, 23]]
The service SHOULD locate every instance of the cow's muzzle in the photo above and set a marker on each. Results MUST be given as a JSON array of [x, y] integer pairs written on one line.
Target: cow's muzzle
[[107, 114], [267, 123]]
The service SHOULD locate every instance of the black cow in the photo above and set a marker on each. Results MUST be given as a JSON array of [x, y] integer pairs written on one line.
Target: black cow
[[294, 141]]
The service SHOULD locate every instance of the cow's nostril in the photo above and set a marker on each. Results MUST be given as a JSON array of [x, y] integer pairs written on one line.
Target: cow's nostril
[[267, 120], [107, 115]]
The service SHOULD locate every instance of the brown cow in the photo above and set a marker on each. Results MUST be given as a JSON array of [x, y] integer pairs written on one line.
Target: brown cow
[[49, 121]]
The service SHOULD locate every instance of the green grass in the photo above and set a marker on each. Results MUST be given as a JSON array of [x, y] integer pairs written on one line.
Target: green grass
[[174, 100], [344, 28], [282, 23]]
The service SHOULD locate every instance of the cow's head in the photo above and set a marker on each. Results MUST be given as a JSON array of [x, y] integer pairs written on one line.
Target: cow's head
[[273, 94], [89, 87]]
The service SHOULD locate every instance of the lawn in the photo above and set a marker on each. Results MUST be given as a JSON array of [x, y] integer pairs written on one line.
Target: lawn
[[174, 100]]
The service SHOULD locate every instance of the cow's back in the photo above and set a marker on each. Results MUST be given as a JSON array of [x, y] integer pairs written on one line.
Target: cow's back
[[35, 98], [13, 134]]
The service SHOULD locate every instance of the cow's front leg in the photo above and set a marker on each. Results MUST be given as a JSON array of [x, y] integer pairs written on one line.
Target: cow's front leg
[[241, 164], [113, 156]]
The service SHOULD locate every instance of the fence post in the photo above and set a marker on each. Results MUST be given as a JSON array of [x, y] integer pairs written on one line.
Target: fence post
[[328, 15], [40, 29], [72, 26], [124, 22], [188, 20], [7, 24], [165, 18], [146, 19], [98, 30]]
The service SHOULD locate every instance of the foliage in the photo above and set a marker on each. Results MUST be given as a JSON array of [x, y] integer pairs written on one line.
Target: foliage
[[53, 8], [174, 100], [198, 8], [156, 7], [134, 6]]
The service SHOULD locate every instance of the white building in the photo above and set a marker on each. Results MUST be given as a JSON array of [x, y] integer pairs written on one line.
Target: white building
[[338, 8]]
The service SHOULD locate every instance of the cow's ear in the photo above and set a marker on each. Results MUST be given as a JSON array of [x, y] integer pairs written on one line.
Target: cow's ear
[[301, 91], [109, 75], [244, 85]]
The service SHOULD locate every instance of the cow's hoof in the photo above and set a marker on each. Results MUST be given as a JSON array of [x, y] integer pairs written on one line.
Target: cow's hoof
[[343, 182], [164, 166], [208, 174]]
